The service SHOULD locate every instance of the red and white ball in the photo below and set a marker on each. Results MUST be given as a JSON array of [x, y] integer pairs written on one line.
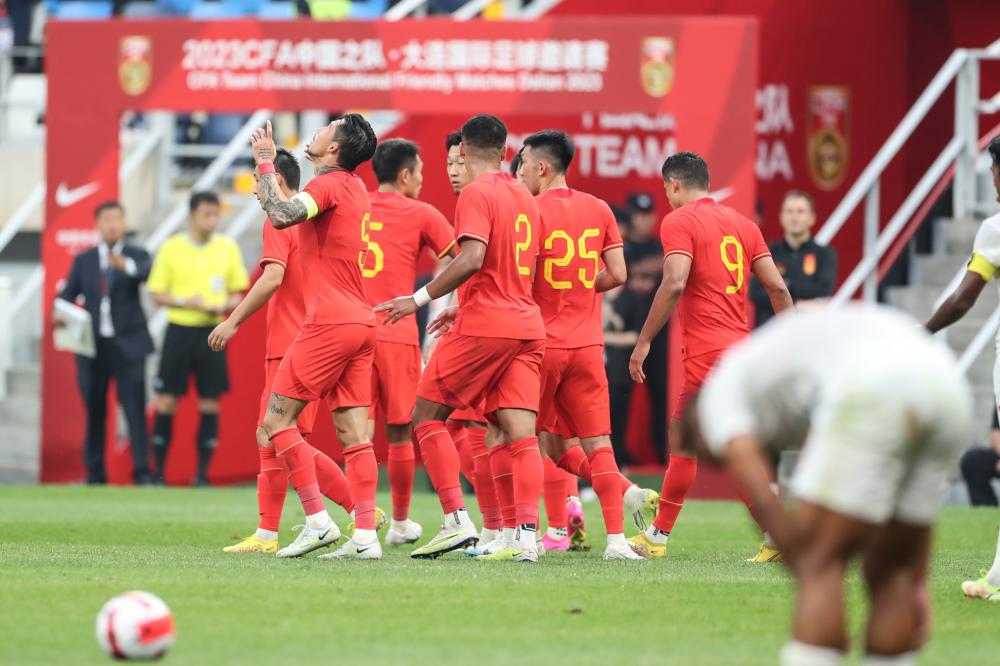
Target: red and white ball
[[135, 625]]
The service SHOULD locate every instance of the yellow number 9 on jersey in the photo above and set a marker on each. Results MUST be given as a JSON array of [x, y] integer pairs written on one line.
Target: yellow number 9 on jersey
[[734, 266]]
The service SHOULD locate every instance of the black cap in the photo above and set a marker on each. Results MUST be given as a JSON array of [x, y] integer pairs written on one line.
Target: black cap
[[621, 214], [641, 202]]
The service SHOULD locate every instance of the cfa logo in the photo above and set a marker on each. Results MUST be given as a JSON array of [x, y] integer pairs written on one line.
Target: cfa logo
[[135, 64], [656, 68]]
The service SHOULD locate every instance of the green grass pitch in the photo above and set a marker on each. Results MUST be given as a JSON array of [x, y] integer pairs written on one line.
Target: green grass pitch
[[65, 550]]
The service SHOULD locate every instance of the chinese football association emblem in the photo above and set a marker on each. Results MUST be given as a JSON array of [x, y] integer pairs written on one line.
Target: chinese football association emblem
[[657, 67], [135, 64], [827, 129]]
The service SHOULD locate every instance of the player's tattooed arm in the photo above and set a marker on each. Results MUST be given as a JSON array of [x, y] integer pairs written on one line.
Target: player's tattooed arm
[[282, 212]]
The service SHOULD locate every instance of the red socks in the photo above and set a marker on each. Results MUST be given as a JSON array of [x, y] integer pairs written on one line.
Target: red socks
[[272, 484], [676, 484], [401, 465], [605, 479], [554, 488], [528, 477], [575, 462], [486, 495], [362, 474], [502, 468], [465, 461], [441, 460], [332, 482], [297, 458]]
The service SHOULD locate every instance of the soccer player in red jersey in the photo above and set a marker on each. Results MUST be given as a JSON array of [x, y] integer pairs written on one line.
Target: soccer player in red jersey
[[280, 286], [709, 250], [495, 348], [579, 232], [400, 229], [468, 426], [331, 357]]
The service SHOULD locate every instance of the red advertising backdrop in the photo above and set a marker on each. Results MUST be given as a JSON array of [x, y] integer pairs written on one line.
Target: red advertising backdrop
[[643, 86]]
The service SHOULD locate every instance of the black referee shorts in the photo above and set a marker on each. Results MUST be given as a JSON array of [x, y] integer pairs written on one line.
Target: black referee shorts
[[186, 351]]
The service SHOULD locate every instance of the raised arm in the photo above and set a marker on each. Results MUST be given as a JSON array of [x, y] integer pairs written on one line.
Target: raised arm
[[676, 268], [282, 212]]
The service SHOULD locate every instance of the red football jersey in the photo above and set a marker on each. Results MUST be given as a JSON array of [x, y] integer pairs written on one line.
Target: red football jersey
[[286, 310], [398, 231], [496, 302], [579, 228], [722, 245], [332, 249]]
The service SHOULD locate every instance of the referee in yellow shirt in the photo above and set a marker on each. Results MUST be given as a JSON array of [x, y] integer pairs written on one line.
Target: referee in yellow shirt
[[199, 275]]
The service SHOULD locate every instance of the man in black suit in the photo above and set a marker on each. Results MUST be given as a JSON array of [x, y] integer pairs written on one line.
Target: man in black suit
[[107, 278]]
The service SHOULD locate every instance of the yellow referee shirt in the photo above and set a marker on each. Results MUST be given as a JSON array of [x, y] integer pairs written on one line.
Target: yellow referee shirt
[[183, 269]]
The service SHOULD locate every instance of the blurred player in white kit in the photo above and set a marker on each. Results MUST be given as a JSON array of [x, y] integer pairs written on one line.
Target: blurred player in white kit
[[882, 414]]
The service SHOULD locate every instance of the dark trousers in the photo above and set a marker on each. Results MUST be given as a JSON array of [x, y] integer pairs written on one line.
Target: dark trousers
[[620, 386], [94, 375], [979, 468]]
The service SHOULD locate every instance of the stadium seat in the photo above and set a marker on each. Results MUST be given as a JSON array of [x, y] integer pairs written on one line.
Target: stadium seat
[[141, 10], [276, 10], [368, 9], [220, 128], [83, 9], [175, 7], [220, 9]]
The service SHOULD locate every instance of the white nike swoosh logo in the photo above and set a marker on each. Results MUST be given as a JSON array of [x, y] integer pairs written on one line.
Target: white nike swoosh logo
[[723, 194], [66, 197]]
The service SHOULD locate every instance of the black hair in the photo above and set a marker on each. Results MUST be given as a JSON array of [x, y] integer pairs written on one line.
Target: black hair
[[107, 205], [452, 140], [690, 169], [486, 135], [799, 194], [995, 151], [515, 163], [199, 198], [555, 145], [357, 141], [392, 156], [286, 164]]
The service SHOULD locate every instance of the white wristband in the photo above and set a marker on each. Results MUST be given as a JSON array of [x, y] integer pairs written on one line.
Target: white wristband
[[422, 297]]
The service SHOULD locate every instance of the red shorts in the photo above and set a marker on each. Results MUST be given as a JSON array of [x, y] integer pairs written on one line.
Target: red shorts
[[696, 369], [467, 370], [331, 362], [475, 414], [395, 375], [575, 400], [307, 418]]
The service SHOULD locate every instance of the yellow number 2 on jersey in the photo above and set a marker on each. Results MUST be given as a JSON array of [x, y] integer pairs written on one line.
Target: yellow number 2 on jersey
[[735, 266], [525, 245]]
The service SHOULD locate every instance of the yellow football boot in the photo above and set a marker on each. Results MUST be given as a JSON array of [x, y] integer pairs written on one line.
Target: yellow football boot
[[380, 521], [767, 554], [641, 545], [253, 545]]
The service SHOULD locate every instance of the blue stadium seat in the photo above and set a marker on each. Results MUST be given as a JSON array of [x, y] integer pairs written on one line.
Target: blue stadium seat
[[141, 10], [220, 128], [368, 9], [175, 7], [83, 9], [221, 9], [276, 10]]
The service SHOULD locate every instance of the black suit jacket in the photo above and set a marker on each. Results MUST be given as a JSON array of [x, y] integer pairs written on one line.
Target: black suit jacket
[[131, 333]]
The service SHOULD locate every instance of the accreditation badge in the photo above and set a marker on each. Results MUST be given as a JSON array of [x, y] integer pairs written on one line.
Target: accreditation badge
[[135, 64], [827, 132], [657, 65]]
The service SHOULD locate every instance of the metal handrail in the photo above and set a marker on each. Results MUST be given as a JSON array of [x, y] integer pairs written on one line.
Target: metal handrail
[[871, 174], [20, 216], [986, 333], [869, 263], [208, 178]]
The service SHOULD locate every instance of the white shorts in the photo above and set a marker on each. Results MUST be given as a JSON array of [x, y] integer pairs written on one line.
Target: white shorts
[[884, 446]]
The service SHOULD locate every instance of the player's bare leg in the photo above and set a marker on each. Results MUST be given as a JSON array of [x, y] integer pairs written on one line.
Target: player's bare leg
[[895, 568], [441, 461], [826, 542], [362, 475], [518, 426], [280, 424], [402, 530]]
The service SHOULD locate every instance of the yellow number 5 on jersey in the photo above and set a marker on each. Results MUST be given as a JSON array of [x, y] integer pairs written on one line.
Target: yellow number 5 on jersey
[[374, 249], [735, 266]]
